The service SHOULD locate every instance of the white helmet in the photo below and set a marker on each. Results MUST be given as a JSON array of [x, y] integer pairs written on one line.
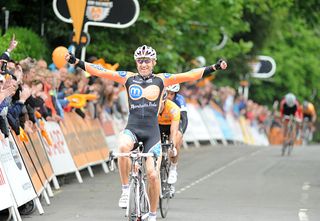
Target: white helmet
[[173, 88], [290, 99], [201, 61], [145, 52]]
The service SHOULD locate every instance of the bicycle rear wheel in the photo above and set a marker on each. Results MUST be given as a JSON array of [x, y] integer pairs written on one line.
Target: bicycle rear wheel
[[132, 210], [165, 189]]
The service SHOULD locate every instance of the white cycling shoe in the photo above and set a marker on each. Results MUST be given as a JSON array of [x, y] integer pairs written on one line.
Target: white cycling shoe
[[123, 201], [152, 218], [172, 176]]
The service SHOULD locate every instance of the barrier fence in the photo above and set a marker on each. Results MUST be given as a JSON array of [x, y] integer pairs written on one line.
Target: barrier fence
[[29, 167]]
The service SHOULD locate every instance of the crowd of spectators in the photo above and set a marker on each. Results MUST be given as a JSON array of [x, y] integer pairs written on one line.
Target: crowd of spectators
[[226, 100]]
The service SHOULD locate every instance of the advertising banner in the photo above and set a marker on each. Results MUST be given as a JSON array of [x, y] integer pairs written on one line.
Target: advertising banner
[[13, 164], [5, 191], [58, 153]]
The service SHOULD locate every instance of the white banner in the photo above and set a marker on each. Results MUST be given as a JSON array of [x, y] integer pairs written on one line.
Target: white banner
[[258, 137], [211, 122], [5, 191], [14, 167], [196, 129], [59, 153], [235, 126]]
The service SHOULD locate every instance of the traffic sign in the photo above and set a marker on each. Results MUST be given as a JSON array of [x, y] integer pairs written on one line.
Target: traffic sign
[[263, 67]]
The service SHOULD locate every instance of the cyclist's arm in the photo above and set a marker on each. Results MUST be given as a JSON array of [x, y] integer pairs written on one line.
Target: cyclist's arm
[[313, 114], [281, 108], [174, 128], [192, 75], [99, 71]]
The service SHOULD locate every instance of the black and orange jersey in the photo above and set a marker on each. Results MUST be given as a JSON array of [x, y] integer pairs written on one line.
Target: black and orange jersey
[[309, 110], [144, 93], [169, 114]]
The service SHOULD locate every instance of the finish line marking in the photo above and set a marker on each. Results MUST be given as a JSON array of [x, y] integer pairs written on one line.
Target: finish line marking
[[217, 171]]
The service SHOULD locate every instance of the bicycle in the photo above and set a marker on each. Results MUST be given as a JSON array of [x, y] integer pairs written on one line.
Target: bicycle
[[165, 188], [289, 136], [139, 205], [306, 131]]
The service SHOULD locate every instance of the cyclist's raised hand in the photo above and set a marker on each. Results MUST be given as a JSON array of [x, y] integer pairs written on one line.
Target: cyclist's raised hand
[[70, 58], [221, 64], [13, 44]]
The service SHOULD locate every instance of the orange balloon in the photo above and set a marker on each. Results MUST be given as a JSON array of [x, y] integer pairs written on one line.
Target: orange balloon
[[58, 56]]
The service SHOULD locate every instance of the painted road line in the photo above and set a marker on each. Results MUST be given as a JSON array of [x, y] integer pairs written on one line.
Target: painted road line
[[217, 171]]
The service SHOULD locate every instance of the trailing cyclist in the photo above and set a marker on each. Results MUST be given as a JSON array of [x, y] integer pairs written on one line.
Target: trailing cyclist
[[178, 99], [169, 122], [309, 116], [144, 90]]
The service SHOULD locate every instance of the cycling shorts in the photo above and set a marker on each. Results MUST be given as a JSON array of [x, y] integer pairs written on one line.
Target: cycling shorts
[[149, 136]]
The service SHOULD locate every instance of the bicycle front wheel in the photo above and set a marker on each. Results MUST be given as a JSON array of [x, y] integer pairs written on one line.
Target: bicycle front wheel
[[165, 189], [284, 147], [133, 209], [290, 147], [144, 202]]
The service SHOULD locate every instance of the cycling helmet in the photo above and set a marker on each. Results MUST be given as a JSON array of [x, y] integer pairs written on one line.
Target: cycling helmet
[[201, 61], [305, 105], [145, 52], [290, 99], [173, 88]]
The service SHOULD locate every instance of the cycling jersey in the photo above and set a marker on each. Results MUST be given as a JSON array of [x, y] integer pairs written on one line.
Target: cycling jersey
[[144, 97], [294, 110], [170, 113], [310, 110], [180, 101]]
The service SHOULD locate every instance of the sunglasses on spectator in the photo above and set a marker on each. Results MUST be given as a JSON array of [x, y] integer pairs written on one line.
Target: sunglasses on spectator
[[140, 61]]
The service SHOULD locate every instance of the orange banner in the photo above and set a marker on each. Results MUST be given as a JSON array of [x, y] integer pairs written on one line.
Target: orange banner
[[73, 141], [30, 166], [35, 142]]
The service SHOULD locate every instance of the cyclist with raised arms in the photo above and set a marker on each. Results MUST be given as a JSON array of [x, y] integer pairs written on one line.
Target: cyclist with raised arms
[[178, 99], [144, 90]]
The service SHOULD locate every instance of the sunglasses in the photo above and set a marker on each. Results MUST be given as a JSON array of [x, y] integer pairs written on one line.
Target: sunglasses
[[141, 61]]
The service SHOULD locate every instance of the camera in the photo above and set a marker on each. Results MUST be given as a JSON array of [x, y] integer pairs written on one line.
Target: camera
[[3, 67]]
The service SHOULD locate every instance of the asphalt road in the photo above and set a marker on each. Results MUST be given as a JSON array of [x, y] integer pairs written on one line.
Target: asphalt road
[[220, 183]]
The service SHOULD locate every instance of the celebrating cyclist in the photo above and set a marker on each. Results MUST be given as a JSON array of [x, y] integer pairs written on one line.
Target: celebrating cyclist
[[144, 90], [289, 106], [178, 99]]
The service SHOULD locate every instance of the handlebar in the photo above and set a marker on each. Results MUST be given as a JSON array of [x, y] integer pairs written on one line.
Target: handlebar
[[133, 154], [291, 117]]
